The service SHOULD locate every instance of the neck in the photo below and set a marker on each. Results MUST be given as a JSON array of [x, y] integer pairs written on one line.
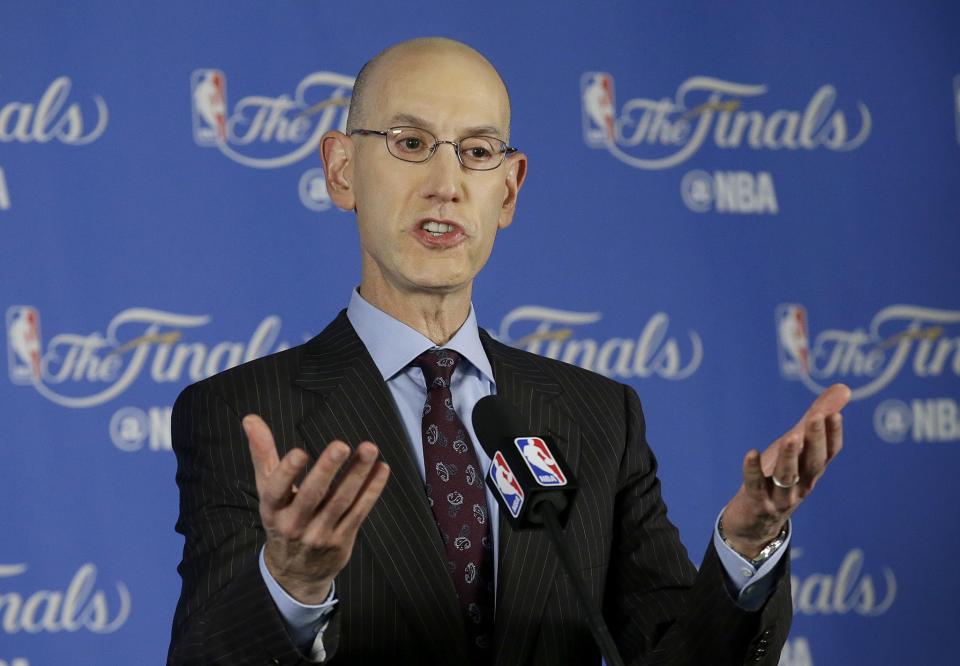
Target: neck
[[437, 315]]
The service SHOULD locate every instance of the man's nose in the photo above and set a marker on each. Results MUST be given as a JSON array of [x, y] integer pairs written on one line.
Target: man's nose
[[444, 179]]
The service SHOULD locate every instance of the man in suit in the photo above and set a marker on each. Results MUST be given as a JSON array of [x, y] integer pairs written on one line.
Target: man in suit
[[353, 559]]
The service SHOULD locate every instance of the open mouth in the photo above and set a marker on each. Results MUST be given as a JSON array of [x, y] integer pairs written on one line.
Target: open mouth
[[437, 229]]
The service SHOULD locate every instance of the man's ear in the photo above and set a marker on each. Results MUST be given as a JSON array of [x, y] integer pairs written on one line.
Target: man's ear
[[336, 153], [516, 173]]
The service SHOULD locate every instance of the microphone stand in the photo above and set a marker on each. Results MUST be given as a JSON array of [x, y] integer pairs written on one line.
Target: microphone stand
[[598, 627]]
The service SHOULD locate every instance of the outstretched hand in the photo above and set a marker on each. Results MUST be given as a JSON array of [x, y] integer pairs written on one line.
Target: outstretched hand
[[311, 528], [776, 481]]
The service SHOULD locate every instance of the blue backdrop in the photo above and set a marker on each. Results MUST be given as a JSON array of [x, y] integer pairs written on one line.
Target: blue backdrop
[[729, 206]]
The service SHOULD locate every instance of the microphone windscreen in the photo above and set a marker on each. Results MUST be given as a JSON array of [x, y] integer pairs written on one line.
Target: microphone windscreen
[[495, 419]]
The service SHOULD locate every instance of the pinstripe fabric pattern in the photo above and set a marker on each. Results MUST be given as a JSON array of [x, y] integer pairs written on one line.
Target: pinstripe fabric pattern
[[397, 603]]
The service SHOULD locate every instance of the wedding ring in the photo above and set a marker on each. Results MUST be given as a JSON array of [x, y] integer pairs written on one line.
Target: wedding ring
[[780, 484]]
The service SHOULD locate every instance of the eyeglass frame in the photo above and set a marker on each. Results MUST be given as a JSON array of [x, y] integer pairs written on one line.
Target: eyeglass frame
[[504, 152]]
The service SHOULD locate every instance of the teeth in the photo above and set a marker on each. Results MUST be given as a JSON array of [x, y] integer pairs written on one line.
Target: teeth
[[436, 228]]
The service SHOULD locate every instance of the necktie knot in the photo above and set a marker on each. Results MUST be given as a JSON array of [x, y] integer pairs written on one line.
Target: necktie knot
[[437, 366]]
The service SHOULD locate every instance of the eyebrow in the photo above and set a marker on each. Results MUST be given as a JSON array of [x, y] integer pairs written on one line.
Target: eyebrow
[[417, 121]]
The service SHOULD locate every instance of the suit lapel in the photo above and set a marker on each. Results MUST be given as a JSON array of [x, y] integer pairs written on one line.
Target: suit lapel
[[400, 530], [528, 565]]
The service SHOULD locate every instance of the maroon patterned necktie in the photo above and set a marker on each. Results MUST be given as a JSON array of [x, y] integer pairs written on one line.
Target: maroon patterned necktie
[[455, 491]]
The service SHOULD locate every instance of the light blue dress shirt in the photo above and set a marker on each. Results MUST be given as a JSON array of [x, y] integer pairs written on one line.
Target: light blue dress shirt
[[393, 346]]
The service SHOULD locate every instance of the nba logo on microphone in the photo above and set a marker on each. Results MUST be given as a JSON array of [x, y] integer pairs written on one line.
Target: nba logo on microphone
[[209, 97], [793, 340], [506, 484], [540, 461], [23, 344], [599, 121]]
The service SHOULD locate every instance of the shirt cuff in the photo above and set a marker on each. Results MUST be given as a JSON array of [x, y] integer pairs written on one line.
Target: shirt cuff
[[305, 623], [750, 586]]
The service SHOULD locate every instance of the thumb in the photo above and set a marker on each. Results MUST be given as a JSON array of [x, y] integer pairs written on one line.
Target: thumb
[[263, 450]]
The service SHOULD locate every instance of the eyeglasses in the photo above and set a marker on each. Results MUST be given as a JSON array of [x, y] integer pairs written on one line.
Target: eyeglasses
[[414, 144]]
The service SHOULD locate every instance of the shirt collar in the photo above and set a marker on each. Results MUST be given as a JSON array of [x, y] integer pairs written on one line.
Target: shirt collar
[[393, 344]]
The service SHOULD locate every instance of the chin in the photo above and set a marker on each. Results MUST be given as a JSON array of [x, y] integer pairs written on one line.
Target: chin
[[440, 286], [433, 277]]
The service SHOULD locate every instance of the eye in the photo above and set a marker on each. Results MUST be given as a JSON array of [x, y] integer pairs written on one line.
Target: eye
[[410, 143], [479, 153], [478, 150]]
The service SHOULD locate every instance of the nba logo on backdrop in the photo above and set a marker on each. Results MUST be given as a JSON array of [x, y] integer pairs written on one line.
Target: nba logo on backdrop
[[540, 461], [268, 131], [901, 337], [209, 95], [793, 340], [599, 124], [23, 344]]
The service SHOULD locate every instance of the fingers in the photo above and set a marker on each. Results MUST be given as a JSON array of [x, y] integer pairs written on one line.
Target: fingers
[[274, 477], [316, 492], [323, 502], [775, 482], [369, 495], [821, 433], [823, 440], [813, 459], [829, 402], [345, 529], [349, 486], [753, 478], [311, 529], [786, 474], [834, 426], [317, 483], [278, 490], [315, 500]]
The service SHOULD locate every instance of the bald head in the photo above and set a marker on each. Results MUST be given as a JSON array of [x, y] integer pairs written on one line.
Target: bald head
[[426, 55]]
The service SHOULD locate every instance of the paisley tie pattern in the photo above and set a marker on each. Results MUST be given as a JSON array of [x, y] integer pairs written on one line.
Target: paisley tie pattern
[[455, 491]]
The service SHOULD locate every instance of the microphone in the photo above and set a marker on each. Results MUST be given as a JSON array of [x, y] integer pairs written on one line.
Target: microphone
[[526, 470], [535, 487]]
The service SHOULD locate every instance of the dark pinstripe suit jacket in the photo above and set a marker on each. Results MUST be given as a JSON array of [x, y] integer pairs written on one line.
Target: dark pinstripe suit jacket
[[397, 602]]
